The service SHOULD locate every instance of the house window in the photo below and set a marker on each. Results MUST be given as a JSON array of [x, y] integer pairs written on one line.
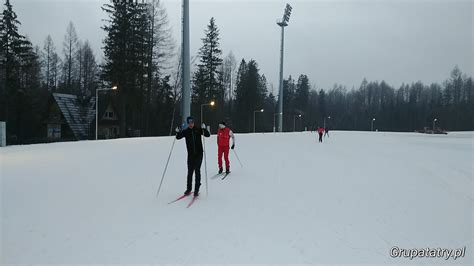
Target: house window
[[54, 131], [109, 114]]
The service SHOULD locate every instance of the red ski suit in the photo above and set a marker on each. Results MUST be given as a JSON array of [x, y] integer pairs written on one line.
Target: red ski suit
[[223, 137]]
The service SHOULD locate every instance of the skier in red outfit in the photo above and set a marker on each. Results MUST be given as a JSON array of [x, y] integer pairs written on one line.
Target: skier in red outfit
[[320, 132], [223, 136]]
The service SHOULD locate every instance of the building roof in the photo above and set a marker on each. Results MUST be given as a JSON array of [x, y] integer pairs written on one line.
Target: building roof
[[78, 114]]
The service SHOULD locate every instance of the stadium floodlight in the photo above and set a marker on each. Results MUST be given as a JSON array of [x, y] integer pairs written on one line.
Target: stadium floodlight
[[134, 2], [282, 23]]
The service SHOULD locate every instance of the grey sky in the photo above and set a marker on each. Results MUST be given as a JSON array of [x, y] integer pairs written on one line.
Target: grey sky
[[330, 41]]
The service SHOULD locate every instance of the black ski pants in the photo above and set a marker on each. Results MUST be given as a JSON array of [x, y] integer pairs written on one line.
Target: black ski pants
[[194, 166]]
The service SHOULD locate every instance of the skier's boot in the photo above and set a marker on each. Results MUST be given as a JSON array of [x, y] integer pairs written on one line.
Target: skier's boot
[[220, 170], [227, 171], [187, 192], [196, 193]]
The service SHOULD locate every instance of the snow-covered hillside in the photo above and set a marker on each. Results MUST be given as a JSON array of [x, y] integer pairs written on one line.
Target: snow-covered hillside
[[295, 201]]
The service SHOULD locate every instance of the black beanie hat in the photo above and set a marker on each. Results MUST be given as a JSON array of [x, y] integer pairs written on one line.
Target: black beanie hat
[[189, 119]]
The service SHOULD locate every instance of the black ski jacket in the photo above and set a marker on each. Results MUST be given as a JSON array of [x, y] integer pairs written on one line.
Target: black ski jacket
[[193, 139]]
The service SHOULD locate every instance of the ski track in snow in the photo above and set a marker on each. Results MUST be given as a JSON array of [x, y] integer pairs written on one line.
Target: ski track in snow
[[347, 200]]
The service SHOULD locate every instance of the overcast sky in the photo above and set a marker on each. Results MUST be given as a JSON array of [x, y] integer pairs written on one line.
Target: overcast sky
[[331, 41]]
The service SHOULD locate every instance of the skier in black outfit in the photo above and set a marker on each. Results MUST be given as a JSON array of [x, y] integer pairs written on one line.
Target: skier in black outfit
[[326, 132], [195, 151]]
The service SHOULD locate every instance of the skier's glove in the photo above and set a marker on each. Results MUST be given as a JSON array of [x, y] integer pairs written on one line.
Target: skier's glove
[[177, 130], [203, 126], [232, 147]]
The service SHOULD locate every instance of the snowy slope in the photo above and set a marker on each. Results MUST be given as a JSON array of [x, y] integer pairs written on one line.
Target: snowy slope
[[348, 200]]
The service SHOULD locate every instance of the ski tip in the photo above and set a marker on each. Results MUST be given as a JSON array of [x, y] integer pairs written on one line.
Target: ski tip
[[192, 201]]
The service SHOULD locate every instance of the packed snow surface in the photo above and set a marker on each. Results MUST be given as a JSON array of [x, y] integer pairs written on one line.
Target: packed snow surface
[[349, 199]]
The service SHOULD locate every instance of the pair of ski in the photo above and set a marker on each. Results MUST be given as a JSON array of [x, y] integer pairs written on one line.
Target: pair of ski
[[224, 175], [185, 196]]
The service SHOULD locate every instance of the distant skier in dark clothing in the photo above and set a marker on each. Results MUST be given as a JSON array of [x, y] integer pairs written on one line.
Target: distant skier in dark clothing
[[320, 132], [326, 132], [195, 151]]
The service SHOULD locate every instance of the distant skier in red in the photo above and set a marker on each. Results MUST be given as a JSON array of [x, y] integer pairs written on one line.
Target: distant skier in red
[[320, 132], [223, 136]]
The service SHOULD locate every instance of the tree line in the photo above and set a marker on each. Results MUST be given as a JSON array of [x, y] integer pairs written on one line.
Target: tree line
[[140, 59], [241, 92]]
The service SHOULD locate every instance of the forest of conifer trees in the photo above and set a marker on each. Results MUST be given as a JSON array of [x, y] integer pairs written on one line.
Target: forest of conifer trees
[[141, 59]]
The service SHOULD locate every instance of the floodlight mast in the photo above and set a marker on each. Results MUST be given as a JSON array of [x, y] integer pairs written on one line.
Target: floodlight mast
[[282, 23], [186, 65]]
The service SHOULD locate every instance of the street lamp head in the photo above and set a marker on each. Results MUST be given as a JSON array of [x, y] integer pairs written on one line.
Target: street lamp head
[[436, 119], [212, 103], [114, 88], [329, 117], [299, 115], [261, 111], [373, 119]]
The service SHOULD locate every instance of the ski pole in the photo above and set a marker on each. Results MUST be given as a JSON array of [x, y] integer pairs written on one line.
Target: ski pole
[[205, 165], [166, 167], [238, 158]]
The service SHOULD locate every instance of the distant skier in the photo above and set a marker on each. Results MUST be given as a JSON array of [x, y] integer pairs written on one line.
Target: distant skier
[[223, 136], [326, 132], [320, 132], [195, 151]]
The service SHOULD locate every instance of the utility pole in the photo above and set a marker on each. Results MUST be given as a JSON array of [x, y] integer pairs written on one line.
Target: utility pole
[[186, 66]]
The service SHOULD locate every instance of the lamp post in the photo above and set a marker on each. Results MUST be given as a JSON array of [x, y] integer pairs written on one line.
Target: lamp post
[[434, 124], [97, 108], [282, 23], [294, 122], [373, 120], [329, 117], [254, 112], [274, 120], [212, 103]]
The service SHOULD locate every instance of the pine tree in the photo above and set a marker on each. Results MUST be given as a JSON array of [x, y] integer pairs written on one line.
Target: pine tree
[[137, 46], [241, 96], [20, 79], [302, 94], [69, 49], [89, 71], [49, 63], [250, 94], [210, 55], [289, 89], [121, 58], [207, 82]]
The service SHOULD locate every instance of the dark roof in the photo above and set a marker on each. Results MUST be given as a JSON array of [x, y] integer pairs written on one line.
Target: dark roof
[[78, 114]]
